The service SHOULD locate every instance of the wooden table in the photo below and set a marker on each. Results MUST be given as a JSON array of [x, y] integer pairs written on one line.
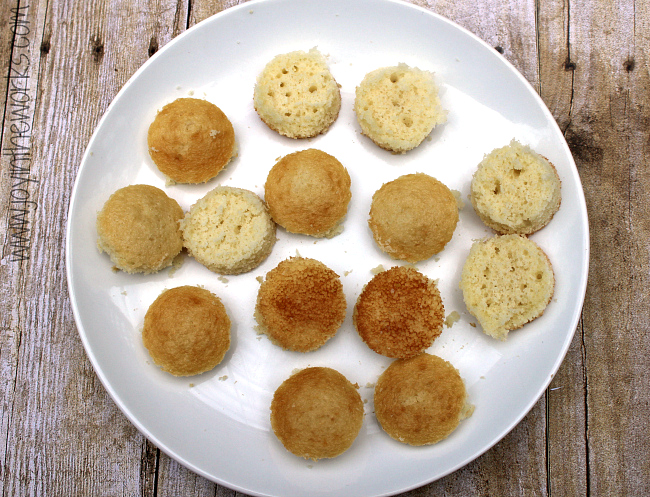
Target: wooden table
[[62, 435]]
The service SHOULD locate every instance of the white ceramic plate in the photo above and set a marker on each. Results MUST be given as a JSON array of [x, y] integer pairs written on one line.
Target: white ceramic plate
[[217, 424]]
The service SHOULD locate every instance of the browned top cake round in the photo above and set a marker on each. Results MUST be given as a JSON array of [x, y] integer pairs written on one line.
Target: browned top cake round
[[191, 140], [300, 304], [317, 413], [186, 330], [399, 313]]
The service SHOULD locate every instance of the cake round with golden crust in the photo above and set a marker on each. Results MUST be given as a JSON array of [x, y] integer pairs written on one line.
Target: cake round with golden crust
[[191, 140], [399, 313], [296, 94], [420, 401], [507, 281], [138, 227], [308, 192], [186, 331], [515, 190], [397, 107], [413, 217], [229, 230], [300, 304], [317, 413]]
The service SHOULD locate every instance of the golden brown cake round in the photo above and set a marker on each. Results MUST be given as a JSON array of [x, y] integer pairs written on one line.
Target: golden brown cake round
[[191, 140], [187, 331], [413, 217], [229, 230], [420, 401], [316, 413], [296, 95], [515, 190], [308, 192], [507, 281], [138, 228], [399, 313], [300, 304], [397, 107]]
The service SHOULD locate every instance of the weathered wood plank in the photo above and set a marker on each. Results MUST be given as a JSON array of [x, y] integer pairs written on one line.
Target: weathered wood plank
[[608, 134], [566, 397], [65, 436], [18, 204]]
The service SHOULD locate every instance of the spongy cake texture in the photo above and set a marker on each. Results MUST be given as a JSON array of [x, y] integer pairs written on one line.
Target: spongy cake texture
[[186, 331], [399, 313], [413, 217], [316, 413], [507, 281], [398, 106], [296, 94], [229, 230], [515, 190], [191, 140], [308, 192], [421, 401], [300, 304], [138, 227]]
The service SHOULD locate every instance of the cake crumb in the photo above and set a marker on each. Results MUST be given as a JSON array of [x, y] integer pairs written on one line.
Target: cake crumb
[[223, 378], [452, 318], [378, 269], [458, 198]]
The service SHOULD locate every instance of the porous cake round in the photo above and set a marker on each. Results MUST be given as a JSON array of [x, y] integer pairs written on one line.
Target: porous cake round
[[397, 107], [229, 230], [296, 94], [515, 190], [507, 281]]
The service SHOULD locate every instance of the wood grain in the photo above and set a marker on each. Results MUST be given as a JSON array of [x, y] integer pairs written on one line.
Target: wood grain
[[60, 432]]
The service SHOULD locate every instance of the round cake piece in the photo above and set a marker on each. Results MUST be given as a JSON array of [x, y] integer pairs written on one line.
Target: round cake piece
[[515, 190], [413, 217], [399, 313], [186, 331], [397, 107], [316, 413], [296, 95], [229, 230], [300, 304], [507, 281], [308, 192], [191, 140], [138, 228], [421, 401]]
